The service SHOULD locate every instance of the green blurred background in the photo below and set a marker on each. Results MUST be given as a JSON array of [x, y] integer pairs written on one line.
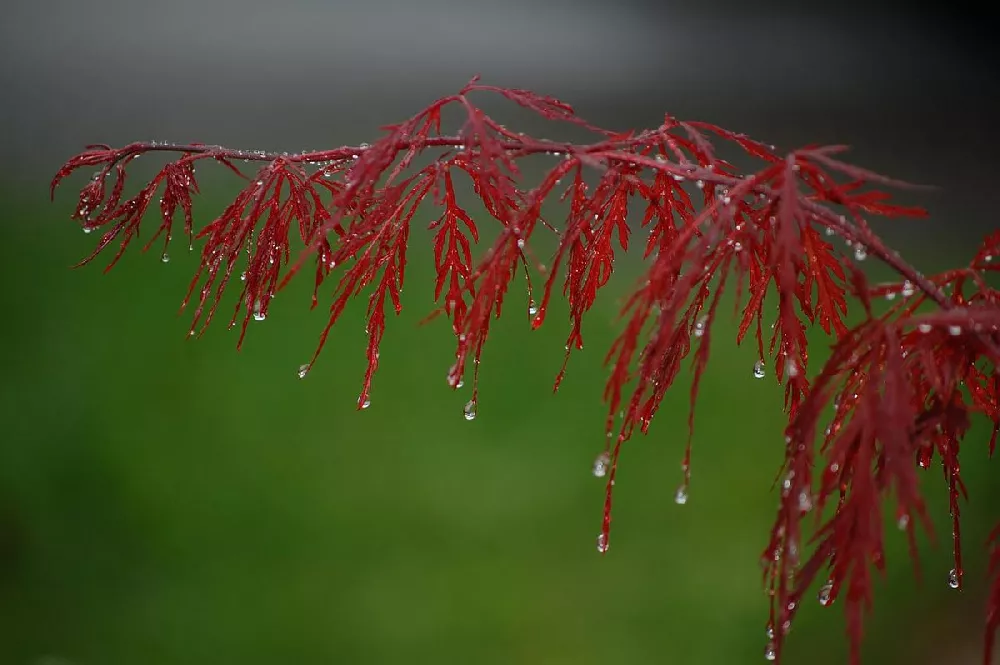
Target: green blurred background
[[166, 501]]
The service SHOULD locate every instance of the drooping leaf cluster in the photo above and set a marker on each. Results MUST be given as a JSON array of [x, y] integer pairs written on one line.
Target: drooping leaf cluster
[[897, 394]]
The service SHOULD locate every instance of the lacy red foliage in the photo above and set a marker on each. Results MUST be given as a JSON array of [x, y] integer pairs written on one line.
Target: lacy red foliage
[[900, 388]]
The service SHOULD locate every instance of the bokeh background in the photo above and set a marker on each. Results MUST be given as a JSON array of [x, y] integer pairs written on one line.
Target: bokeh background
[[174, 502]]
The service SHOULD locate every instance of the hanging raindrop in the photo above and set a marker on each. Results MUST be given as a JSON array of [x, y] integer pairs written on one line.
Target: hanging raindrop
[[860, 253], [769, 651], [953, 578], [258, 315], [532, 308], [601, 464], [364, 404], [303, 370], [826, 593], [602, 543], [758, 369], [699, 327], [681, 497], [470, 410]]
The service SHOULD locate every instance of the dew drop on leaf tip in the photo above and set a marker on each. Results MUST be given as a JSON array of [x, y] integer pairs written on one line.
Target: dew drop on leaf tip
[[303, 370], [758, 370], [953, 578], [602, 543], [825, 594], [470, 410], [681, 496]]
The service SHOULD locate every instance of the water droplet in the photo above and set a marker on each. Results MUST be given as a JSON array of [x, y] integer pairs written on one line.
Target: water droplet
[[532, 308], [601, 464], [758, 370], [890, 295], [700, 184], [826, 593], [805, 502], [699, 327], [953, 578], [470, 410], [907, 289], [954, 331], [303, 370], [770, 653], [258, 314], [903, 521], [738, 247], [860, 253], [364, 404], [792, 368], [165, 257], [924, 327], [243, 276], [602, 543], [87, 229], [681, 497]]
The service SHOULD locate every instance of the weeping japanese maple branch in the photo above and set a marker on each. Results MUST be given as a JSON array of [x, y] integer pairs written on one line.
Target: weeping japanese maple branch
[[902, 384]]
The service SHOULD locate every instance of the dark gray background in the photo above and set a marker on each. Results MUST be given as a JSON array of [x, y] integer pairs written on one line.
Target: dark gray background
[[914, 89]]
